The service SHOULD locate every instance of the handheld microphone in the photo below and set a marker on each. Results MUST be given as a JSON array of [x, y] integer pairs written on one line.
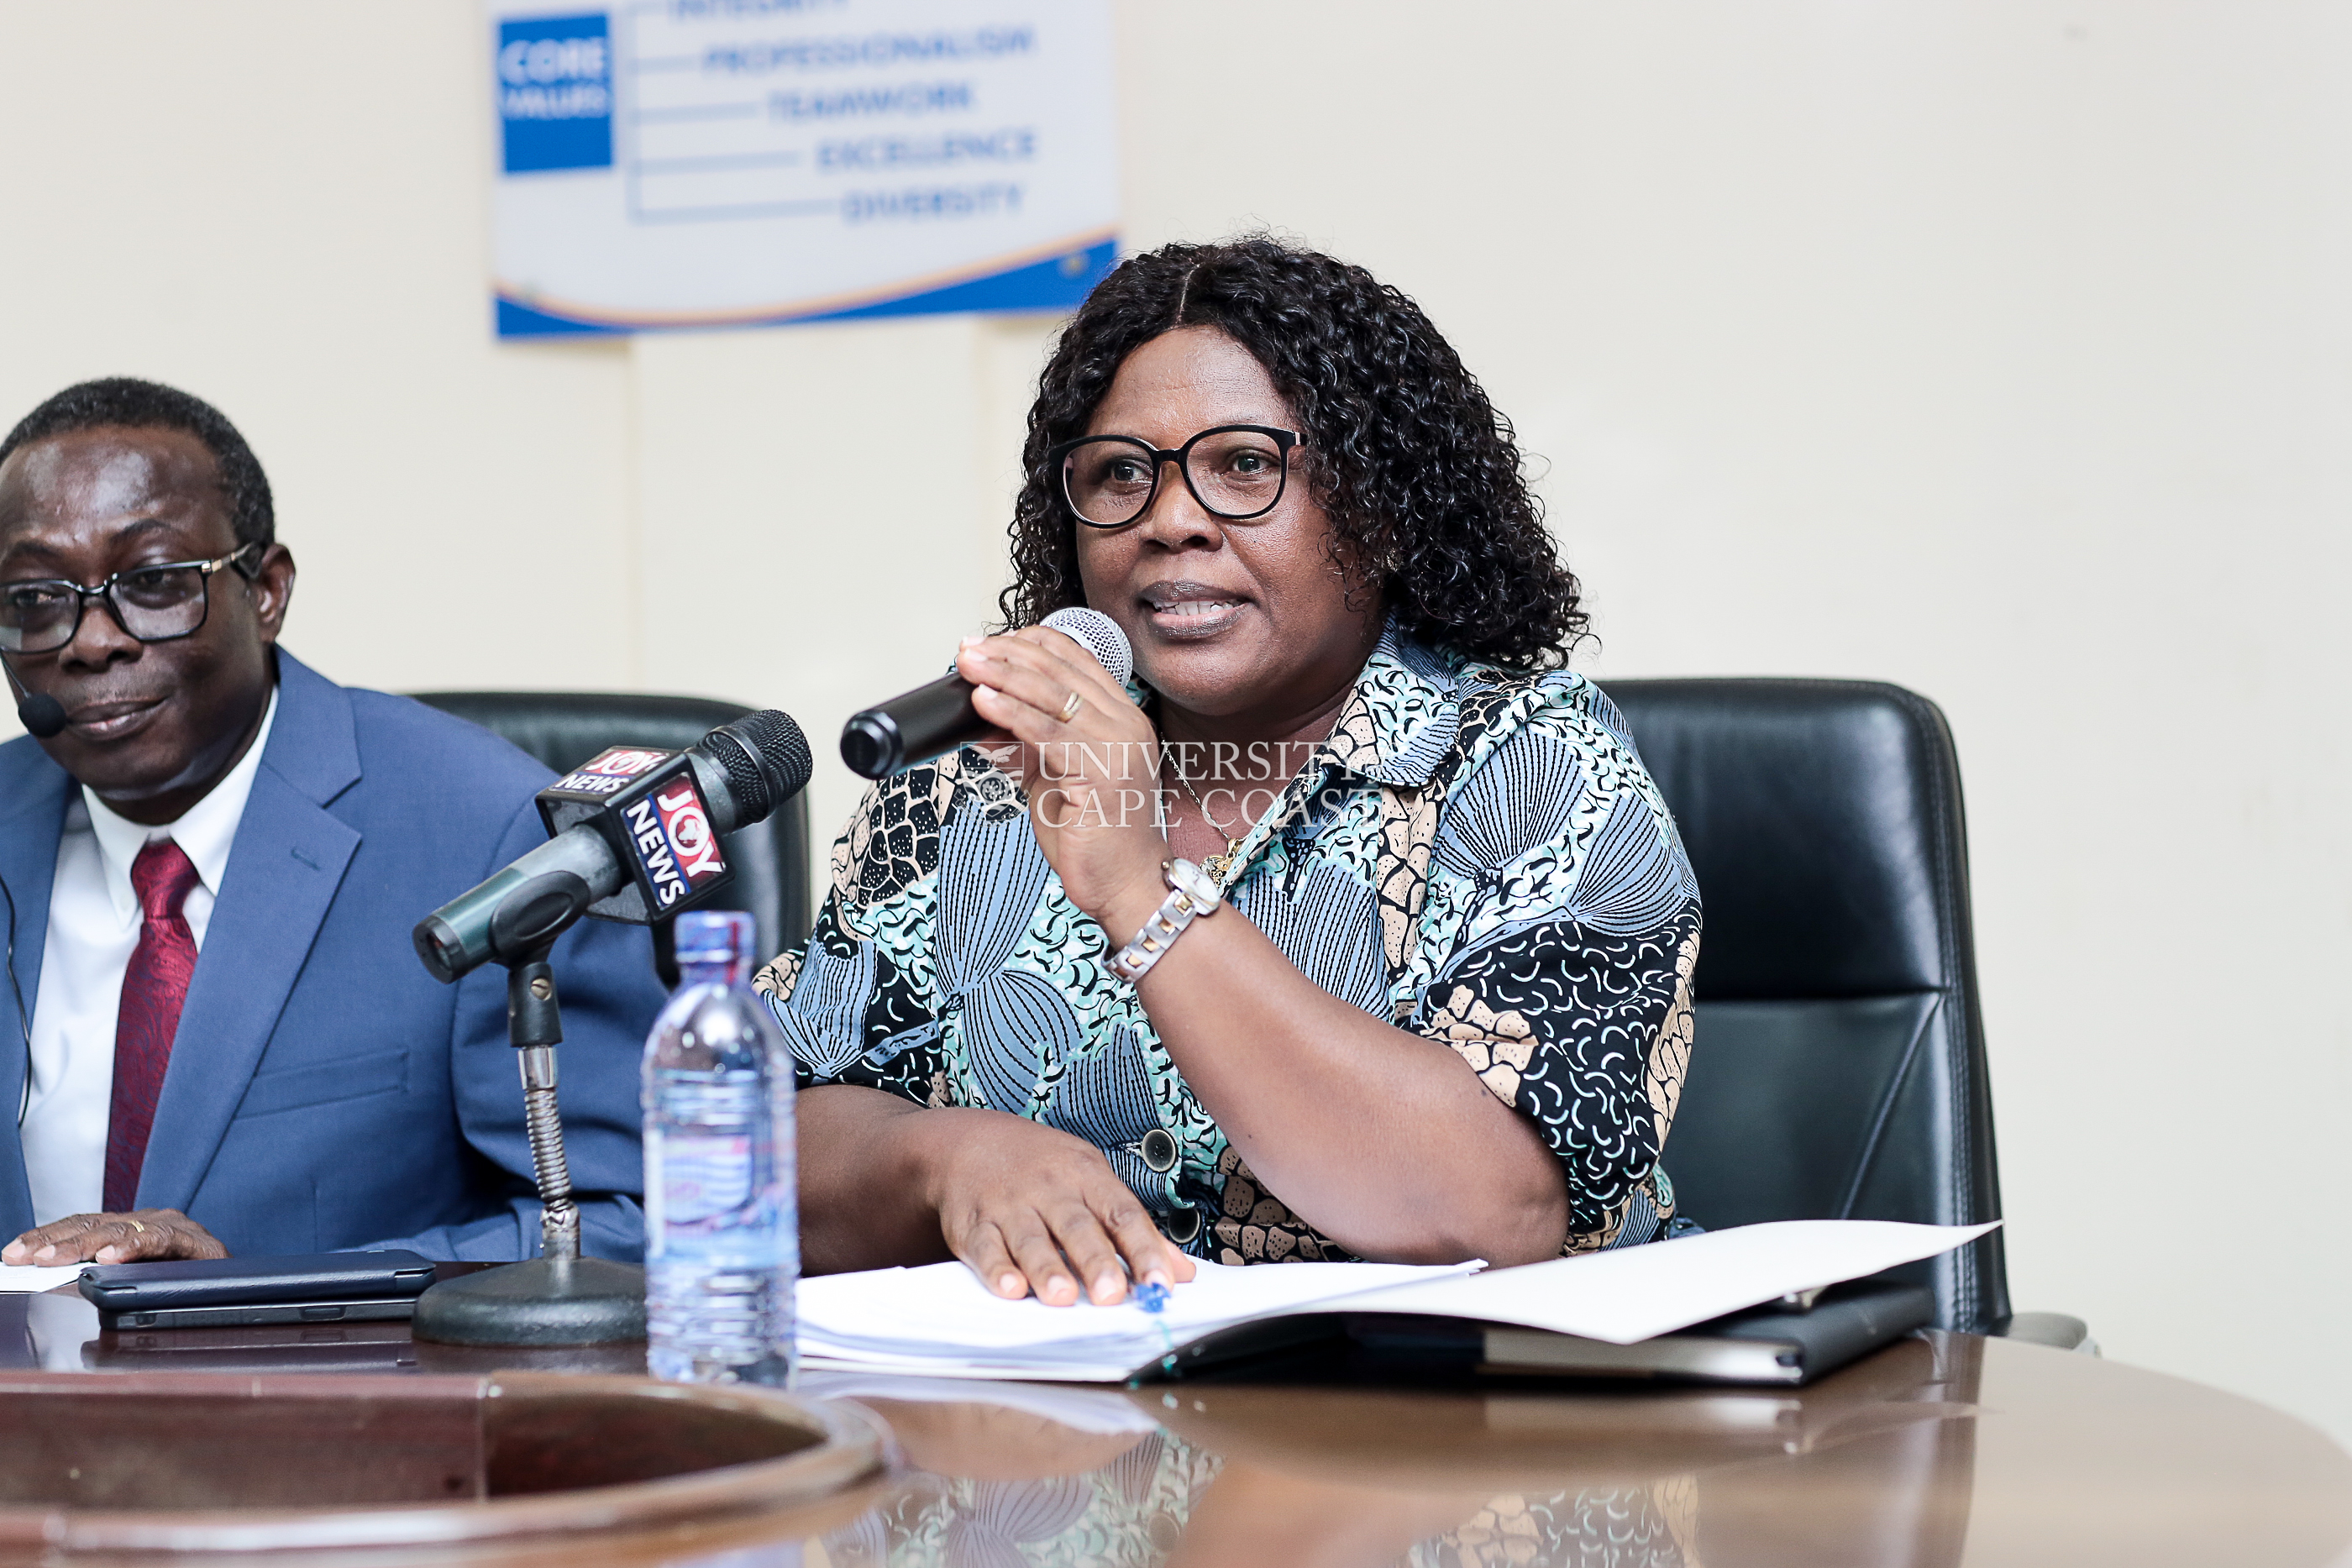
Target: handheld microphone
[[932, 720], [41, 715], [633, 838]]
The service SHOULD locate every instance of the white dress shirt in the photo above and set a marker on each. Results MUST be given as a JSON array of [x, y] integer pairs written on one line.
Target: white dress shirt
[[94, 924]]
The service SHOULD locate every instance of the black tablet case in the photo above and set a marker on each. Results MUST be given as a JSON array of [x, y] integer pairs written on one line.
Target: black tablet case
[[1844, 1323]]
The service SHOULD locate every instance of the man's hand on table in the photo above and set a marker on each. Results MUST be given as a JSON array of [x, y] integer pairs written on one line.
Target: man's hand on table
[[145, 1236]]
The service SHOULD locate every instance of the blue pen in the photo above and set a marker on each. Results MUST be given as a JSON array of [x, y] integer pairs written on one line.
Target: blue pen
[[1152, 1297]]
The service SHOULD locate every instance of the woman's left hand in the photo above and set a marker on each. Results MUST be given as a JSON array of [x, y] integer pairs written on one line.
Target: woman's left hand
[[1091, 777]]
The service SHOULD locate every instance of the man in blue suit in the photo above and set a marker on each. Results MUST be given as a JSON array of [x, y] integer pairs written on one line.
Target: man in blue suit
[[221, 1039]]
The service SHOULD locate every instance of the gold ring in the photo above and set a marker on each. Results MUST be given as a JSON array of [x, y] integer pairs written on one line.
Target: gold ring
[[138, 1228], [1070, 707]]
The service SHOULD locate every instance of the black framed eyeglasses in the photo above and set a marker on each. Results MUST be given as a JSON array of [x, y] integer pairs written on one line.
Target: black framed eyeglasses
[[1235, 471], [154, 604]]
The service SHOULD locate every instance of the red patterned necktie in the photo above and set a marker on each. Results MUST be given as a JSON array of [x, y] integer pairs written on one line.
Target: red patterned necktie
[[154, 989]]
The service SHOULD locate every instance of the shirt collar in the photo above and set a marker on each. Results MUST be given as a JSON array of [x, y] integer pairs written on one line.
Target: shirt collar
[[1404, 713], [204, 832]]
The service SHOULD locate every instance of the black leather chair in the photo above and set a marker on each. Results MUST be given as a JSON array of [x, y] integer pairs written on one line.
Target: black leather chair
[[1839, 1065], [564, 729]]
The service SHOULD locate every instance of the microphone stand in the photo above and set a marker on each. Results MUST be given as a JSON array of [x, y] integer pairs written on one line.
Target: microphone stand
[[559, 1298]]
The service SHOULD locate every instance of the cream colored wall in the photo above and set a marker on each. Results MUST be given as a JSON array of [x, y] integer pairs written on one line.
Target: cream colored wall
[[282, 207], [2000, 348]]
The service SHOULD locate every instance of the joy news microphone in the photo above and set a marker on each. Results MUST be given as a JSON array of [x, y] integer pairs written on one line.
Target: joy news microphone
[[930, 721], [634, 836]]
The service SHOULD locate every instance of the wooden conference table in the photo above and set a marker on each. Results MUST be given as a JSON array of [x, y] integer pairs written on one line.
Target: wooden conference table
[[1944, 1449]]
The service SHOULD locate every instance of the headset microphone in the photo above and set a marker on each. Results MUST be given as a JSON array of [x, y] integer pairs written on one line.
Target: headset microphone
[[41, 715]]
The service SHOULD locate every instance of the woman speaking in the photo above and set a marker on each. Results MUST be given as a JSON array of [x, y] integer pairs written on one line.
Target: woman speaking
[[1353, 927]]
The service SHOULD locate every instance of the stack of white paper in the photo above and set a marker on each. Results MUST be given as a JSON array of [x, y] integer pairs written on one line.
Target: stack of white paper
[[20, 1279], [939, 1320]]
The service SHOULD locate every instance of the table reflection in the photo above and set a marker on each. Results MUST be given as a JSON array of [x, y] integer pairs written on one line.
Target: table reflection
[[2070, 1460], [1871, 1466], [1891, 1461]]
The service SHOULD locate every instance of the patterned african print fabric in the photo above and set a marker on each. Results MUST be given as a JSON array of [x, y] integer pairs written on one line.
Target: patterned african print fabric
[[1475, 856]]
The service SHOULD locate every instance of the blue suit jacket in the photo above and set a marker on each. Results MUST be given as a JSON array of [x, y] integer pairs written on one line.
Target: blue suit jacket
[[325, 1091]]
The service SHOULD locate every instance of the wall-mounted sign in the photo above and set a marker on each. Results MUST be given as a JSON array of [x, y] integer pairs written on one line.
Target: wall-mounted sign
[[668, 164]]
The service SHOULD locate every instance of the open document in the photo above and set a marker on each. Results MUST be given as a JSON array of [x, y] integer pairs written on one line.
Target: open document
[[940, 1322]]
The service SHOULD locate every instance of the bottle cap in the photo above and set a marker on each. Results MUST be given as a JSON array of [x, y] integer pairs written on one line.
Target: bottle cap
[[715, 945]]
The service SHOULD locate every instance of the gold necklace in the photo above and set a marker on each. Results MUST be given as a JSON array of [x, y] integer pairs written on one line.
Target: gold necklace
[[1217, 864]]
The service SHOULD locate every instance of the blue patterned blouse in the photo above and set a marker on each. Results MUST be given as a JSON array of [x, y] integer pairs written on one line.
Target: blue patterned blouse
[[1474, 855]]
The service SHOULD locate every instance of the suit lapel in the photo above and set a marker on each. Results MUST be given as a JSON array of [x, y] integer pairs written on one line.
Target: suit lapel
[[34, 792], [284, 868]]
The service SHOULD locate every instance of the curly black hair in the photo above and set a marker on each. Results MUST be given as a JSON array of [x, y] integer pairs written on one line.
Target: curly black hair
[[149, 405], [1417, 470]]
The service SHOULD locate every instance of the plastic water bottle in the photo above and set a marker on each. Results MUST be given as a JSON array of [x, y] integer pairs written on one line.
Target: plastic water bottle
[[722, 1212]]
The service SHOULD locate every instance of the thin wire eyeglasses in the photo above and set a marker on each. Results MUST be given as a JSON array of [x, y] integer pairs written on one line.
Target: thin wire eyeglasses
[[157, 603], [1235, 471]]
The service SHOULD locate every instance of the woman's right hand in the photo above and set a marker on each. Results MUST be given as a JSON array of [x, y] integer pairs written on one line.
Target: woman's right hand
[[1032, 1210]]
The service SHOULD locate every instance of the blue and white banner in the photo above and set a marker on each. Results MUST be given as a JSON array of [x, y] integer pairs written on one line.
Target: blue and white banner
[[688, 163]]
